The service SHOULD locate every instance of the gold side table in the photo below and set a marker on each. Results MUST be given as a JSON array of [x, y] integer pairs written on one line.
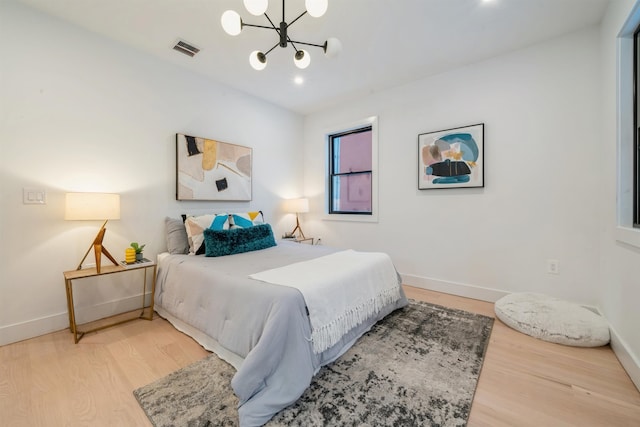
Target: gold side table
[[300, 239], [70, 276], [304, 239]]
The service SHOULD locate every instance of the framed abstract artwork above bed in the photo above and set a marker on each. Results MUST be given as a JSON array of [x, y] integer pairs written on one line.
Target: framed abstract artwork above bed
[[207, 169], [452, 158]]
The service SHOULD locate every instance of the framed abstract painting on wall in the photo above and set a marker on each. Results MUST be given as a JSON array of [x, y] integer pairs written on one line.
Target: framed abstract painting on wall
[[451, 158], [212, 170]]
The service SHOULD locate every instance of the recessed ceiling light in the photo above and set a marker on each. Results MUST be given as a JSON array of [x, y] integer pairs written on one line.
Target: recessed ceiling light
[[298, 80]]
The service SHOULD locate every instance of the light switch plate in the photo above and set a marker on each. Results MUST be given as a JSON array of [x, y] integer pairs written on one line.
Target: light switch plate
[[34, 196]]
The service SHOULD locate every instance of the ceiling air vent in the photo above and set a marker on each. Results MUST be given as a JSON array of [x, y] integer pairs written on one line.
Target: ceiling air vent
[[186, 48]]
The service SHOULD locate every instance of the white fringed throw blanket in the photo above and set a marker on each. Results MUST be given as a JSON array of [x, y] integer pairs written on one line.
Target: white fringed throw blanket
[[341, 290]]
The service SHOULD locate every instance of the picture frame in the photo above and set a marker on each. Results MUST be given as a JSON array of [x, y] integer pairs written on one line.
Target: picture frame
[[451, 158], [207, 169]]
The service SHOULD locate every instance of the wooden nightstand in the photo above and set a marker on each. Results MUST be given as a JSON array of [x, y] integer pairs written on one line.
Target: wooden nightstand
[[70, 276]]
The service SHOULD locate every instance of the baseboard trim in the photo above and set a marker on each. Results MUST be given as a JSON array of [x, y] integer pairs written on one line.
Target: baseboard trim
[[627, 359], [56, 322], [453, 288]]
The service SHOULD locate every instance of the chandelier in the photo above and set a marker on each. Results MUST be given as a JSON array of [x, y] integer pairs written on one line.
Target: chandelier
[[233, 25]]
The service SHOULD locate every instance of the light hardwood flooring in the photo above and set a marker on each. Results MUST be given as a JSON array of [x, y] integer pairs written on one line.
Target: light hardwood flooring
[[49, 381]]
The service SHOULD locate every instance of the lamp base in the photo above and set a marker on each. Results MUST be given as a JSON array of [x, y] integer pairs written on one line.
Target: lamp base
[[298, 228], [98, 250]]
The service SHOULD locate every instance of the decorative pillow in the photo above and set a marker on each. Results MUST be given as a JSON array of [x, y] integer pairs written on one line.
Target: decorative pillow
[[248, 219], [238, 240], [220, 222], [177, 239], [195, 226]]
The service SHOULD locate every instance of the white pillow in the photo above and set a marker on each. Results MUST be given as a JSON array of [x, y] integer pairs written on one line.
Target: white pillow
[[195, 226]]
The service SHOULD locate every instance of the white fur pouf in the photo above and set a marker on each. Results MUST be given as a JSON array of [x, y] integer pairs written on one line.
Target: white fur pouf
[[552, 319]]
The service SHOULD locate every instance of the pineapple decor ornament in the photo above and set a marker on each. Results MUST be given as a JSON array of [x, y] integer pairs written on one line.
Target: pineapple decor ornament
[[129, 255]]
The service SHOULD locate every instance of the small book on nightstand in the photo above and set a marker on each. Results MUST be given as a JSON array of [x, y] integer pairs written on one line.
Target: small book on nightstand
[[140, 263]]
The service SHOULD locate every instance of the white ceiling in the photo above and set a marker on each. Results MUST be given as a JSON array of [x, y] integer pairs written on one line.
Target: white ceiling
[[385, 43]]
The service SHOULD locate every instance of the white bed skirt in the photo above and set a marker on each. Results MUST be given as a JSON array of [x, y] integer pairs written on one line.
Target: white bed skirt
[[203, 339]]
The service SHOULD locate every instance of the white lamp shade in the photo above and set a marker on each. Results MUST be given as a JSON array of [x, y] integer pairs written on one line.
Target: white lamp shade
[[92, 206], [255, 62], [256, 7], [334, 47], [316, 8], [231, 22], [297, 205], [304, 61]]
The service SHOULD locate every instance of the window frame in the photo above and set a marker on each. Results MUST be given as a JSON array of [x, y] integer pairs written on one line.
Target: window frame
[[371, 122], [333, 174], [636, 129], [625, 232]]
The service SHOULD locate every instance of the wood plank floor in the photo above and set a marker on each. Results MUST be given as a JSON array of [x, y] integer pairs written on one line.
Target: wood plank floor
[[49, 381]]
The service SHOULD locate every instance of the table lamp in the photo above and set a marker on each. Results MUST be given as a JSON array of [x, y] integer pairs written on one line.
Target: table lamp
[[297, 206], [93, 207]]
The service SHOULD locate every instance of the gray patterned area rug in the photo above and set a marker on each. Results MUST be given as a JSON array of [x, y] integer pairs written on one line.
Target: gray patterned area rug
[[417, 367]]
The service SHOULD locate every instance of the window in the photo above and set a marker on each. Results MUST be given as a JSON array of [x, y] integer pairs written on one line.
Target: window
[[350, 189], [352, 176], [636, 127], [626, 85]]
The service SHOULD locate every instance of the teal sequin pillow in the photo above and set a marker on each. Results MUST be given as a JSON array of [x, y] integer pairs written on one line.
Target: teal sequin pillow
[[238, 240]]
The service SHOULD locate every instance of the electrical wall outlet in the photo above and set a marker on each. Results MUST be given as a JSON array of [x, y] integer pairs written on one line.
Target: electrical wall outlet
[[553, 266]]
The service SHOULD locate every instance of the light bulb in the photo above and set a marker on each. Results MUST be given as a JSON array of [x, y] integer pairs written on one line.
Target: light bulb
[[258, 60], [316, 8], [231, 22], [302, 59], [332, 47], [256, 7]]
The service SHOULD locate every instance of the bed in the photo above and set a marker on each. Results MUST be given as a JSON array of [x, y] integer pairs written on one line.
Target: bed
[[263, 327]]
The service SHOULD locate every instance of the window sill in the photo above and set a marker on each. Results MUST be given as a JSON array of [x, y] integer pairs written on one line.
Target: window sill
[[350, 218], [629, 236]]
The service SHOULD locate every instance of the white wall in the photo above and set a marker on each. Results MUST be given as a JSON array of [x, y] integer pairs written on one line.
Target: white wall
[[541, 110], [619, 285], [82, 113]]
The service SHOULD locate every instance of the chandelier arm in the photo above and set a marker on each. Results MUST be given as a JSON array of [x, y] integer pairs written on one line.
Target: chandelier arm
[[292, 44], [307, 44], [273, 26], [275, 46], [300, 16], [258, 26]]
